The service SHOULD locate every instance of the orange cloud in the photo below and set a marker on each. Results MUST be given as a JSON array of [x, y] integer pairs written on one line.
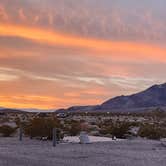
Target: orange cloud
[[30, 93], [3, 13], [41, 102], [21, 14], [115, 48]]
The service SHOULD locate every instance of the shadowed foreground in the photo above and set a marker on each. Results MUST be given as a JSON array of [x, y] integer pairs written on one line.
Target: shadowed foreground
[[121, 153]]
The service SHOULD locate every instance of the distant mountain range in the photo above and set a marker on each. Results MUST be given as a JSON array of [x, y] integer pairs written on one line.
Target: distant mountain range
[[10, 110], [152, 97]]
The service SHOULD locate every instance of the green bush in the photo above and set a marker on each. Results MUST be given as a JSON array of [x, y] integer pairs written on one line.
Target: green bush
[[152, 131], [117, 129], [41, 127], [7, 131], [120, 130], [104, 131], [73, 128]]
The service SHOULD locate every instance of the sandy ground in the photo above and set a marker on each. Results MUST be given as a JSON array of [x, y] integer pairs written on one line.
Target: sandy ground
[[93, 139], [115, 153]]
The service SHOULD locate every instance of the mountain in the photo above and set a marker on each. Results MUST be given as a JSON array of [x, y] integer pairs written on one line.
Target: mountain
[[79, 109], [152, 97], [12, 110], [38, 110], [1, 108], [9, 110]]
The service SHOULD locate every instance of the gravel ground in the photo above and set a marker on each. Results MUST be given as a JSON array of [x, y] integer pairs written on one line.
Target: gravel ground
[[118, 153]]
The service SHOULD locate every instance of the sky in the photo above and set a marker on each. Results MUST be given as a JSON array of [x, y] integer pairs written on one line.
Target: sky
[[60, 53]]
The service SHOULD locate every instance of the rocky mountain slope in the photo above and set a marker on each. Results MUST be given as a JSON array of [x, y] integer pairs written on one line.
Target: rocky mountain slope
[[152, 97]]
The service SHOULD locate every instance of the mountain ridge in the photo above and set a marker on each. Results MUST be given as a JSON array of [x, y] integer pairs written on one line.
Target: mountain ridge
[[154, 96]]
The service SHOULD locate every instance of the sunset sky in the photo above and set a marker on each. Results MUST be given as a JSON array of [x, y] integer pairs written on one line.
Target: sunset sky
[[60, 53]]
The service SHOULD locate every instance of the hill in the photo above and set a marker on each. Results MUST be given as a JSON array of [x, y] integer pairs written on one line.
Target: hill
[[152, 97]]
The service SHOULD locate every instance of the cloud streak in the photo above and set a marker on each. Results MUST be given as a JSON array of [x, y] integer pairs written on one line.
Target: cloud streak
[[55, 38]]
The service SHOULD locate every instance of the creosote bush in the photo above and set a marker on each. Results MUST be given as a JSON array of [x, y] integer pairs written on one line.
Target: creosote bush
[[7, 131], [41, 127], [152, 131], [118, 129], [73, 128]]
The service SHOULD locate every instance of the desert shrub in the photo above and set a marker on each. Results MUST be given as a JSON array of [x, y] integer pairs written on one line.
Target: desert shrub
[[41, 127], [151, 131], [7, 131], [104, 131], [118, 129], [5, 119], [17, 121], [158, 113], [73, 128]]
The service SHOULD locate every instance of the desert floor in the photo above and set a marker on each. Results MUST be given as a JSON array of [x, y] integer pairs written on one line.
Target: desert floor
[[114, 153]]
